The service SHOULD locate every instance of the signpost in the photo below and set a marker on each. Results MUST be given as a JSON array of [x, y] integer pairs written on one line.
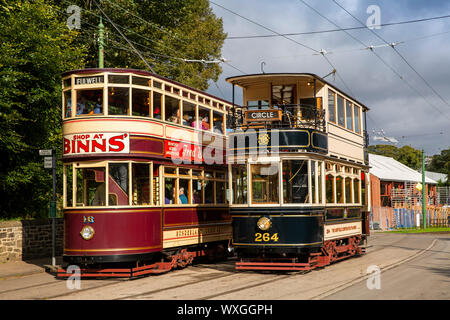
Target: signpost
[[50, 163]]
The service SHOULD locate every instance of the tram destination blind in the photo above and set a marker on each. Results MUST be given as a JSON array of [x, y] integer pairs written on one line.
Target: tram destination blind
[[263, 115]]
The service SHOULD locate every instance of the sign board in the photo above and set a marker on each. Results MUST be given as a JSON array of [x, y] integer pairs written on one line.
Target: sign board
[[47, 152], [263, 115], [183, 151], [89, 80], [96, 143], [48, 162]]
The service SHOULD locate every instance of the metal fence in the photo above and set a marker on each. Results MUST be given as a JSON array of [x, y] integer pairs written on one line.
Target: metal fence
[[388, 218]]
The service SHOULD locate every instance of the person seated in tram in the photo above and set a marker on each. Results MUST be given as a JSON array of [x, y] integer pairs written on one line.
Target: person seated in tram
[[69, 107], [197, 198], [205, 123], [168, 197], [100, 195], [175, 117], [182, 197], [187, 120], [81, 105], [157, 113]]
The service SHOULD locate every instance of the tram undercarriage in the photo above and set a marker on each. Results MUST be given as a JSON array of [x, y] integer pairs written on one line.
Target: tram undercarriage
[[330, 252]]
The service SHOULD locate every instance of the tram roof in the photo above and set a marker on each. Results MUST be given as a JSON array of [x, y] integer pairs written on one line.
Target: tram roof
[[140, 73], [252, 79]]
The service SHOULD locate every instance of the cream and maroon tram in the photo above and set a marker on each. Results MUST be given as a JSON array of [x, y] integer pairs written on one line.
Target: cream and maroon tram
[[144, 173], [298, 173]]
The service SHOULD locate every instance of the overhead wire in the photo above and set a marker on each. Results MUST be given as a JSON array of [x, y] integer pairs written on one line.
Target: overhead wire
[[396, 51], [290, 39], [336, 30]]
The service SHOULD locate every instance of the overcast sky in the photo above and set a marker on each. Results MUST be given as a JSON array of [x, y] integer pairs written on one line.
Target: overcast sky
[[406, 110]]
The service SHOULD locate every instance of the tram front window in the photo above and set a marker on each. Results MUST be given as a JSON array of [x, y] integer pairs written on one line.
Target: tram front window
[[118, 101], [295, 181], [118, 183], [91, 187], [264, 183], [89, 102], [239, 179]]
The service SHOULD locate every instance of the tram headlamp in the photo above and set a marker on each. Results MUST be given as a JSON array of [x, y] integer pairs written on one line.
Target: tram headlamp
[[87, 232], [264, 223]]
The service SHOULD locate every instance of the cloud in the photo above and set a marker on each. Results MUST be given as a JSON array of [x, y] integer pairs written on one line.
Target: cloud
[[403, 114]]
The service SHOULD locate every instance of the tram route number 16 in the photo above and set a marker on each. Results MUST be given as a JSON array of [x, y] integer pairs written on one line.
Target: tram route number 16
[[266, 237], [88, 219]]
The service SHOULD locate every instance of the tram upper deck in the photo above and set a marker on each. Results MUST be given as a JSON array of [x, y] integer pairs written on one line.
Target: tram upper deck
[[306, 112], [139, 114]]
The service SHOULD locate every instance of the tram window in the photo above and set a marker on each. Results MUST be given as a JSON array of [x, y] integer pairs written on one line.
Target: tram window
[[264, 183], [67, 104], [335, 214], [209, 174], [340, 111], [283, 94], [172, 109], [239, 181], [89, 101], [197, 192], [188, 114], [184, 192], [170, 190], [220, 192], [141, 102], [118, 184], [118, 79], [209, 191], [348, 190], [348, 115], [357, 118], [139, 81], [356, 190], [363, 188], [157, 105], [157, 84], [332, 106], [339, 190], [67, 82], [141, 183], [69, 185], [218, 122], [329, 180], [170, 170], [295, 181], [90, 187], [257, 104], [354, 213], [204, 117], [118, 101]]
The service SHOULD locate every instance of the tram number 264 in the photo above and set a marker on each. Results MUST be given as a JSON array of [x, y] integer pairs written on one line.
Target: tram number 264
[[266, 237]]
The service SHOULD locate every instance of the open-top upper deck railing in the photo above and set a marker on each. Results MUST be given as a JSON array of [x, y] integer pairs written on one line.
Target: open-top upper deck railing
[[288, 116]]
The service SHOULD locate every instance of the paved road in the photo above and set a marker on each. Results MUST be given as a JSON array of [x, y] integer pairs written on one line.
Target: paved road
[[412, 267], [425, 277]]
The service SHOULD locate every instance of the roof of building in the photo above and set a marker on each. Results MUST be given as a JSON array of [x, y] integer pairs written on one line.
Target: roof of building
[[436, 176], [388, 169]]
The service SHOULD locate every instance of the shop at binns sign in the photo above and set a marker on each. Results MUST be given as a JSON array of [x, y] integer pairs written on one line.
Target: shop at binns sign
[[94, 143]]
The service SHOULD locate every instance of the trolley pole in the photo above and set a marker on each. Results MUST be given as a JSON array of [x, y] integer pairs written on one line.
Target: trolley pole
[[100, 44], [424, 200]]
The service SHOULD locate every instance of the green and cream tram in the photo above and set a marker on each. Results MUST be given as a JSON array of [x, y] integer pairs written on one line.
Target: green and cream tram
[[298, 172]]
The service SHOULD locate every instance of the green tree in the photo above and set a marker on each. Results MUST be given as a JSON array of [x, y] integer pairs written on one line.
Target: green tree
[[165, 32], [37, 47], [441, 163]]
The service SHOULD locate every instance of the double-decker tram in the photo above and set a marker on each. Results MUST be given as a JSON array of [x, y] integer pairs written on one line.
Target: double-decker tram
[[144, 175], [298, 171]]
